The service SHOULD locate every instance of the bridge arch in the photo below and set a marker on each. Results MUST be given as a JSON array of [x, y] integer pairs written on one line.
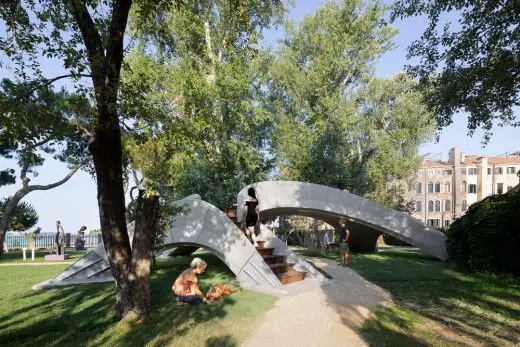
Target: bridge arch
[[367, 220]]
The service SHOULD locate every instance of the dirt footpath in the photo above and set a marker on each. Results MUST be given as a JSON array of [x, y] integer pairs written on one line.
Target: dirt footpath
[[326, 316]]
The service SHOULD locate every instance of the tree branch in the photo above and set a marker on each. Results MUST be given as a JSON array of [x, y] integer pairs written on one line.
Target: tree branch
[[115, 48], [38, 84], [92, 40], [23, 175], [60, 182]]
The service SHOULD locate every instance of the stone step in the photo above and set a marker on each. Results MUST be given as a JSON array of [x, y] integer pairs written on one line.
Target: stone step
[[265, 251], [282, 267], [274, 259], [260, 244], [290, 277]]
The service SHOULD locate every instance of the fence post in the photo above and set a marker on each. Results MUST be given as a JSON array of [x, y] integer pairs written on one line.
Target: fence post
[[32, 254], [24, 255], [67, 240]]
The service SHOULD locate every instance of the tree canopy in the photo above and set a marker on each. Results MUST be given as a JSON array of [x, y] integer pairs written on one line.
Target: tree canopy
[[471, 66], [336, 124], [23, 218], [202, 97]]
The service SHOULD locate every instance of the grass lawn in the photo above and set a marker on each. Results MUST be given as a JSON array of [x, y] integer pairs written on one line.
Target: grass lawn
[[15, 256], [81, 315], [435, 304]]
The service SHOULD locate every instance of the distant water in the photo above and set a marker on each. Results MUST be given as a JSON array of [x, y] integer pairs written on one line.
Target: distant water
[[17, 240]]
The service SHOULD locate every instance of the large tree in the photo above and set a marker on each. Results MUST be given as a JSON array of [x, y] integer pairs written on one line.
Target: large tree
[[203, 92], [472, 65], [87, 37], [34, 124], [337, 125]]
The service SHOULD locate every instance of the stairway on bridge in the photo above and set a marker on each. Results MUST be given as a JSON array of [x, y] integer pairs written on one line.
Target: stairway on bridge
[[283, 270]]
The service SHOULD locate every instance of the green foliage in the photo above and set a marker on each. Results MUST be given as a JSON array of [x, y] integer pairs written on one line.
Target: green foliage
[[486, 238], [37, 123], [336, 124], [194, 81], [471, 65], [23, 218]]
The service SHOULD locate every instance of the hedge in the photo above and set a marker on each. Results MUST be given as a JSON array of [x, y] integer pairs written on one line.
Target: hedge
[[487, 238]]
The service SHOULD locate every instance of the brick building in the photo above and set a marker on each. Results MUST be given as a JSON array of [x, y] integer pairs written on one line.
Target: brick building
[[443, 190]]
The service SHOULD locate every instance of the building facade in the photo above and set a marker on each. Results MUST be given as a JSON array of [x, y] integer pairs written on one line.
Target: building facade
[[443, 190]]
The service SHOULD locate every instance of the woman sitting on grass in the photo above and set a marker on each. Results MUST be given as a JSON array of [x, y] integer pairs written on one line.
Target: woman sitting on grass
[[186, 286]]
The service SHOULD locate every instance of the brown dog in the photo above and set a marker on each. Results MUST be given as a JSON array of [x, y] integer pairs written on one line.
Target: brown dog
[[218, 291]]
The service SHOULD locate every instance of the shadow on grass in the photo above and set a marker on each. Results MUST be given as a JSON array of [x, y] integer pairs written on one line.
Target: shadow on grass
[[436, 303], [83, 314], [221, 341]]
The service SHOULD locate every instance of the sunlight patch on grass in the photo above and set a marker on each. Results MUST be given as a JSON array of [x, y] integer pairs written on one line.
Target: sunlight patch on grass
[[82, 315]]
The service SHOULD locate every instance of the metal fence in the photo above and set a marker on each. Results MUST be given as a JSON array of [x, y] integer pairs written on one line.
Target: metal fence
[[15, 240]]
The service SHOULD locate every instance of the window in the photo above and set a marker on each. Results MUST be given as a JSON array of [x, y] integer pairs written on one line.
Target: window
[[433, 222], [498, 170], [489, 171], [438, 172], [447, 205], [447, 223], [463, 171], [437, 206], [447, 187], [511, 170], [463, 187], [472, 188], [500, 188], [418, 187], [464, 205], [472, 171], [437, 187], [430, 187], [418, 206], [447, 172], [430, 206], [509, 188]]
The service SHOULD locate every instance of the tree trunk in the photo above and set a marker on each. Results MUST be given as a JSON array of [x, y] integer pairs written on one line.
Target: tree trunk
[[106, 150], [142, 250], [10, 206]]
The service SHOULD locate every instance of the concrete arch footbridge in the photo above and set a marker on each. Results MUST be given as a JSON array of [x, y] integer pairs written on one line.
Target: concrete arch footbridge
[[366, 219], [204, 225]]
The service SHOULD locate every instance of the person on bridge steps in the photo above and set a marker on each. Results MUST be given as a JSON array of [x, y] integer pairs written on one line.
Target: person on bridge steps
[[251, 216], [186, 286], [344, 233]]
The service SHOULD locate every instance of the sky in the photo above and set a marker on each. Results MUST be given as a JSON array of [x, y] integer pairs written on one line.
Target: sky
[[75, 203]]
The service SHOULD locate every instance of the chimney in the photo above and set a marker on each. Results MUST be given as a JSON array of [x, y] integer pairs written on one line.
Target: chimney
[[456, 156]]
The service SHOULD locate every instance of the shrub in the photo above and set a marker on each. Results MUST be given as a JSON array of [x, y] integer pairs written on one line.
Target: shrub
[[487, 238]]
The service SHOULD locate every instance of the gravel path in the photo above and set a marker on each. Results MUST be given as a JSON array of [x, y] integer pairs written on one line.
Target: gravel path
[[326, 316]]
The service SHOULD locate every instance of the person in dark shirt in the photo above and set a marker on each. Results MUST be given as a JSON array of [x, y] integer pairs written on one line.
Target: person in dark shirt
[[251, 216], [343, 239]]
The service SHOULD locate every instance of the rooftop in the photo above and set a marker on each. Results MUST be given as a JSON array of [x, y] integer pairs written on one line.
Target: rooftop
[[499, 160]]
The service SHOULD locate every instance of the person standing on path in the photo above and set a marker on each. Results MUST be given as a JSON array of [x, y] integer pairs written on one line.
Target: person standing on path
[[344, 234], [251, 216]]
